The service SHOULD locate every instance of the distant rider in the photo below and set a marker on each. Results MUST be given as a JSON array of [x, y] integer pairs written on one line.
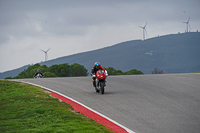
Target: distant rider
[[38, 74], [96, 67]]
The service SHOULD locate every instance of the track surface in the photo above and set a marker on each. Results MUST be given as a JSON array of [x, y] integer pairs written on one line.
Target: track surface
[[167, 103]]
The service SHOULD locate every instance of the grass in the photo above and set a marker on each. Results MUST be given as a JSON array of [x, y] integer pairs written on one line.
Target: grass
[[29, 109]]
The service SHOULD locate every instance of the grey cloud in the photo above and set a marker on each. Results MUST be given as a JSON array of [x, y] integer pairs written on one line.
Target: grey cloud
[[34, 18], [75, 22]]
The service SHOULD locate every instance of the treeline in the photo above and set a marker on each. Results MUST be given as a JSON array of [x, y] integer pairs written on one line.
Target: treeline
[[66, 70], [112, 71], [61, 70]]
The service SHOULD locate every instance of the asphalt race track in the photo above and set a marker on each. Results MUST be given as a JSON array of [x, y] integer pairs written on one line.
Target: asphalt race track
[[159, 103]]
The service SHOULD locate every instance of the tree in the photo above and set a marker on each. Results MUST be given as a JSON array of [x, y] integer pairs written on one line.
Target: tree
[[64, 70], [32, 72], [8, 78], [49, 74], [118, 72], [43, 68], [157, 71], [32, 67], [54, 69], [133, 72], [61, 70], [17, 77], [78, 70], [111, 70]]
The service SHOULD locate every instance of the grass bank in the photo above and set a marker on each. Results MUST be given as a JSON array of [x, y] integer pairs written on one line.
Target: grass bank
[[29, 109]]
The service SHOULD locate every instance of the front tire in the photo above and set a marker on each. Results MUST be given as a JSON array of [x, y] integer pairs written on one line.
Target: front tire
[[96, 89], [102, 87]]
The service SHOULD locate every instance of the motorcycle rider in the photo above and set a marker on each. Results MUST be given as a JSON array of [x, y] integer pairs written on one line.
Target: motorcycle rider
[[96, 67], [38, 73]]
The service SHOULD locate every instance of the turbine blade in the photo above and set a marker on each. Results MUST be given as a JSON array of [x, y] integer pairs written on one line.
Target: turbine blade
[[140, 26], [188, 20], [145, 24], [48, 49], [42, 50]]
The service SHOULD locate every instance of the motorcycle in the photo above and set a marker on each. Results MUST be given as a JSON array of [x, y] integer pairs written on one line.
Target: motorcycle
[[100, 80], [38, 76]]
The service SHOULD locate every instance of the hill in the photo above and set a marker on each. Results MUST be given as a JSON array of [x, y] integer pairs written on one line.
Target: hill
[[13, 73], [175, 53]]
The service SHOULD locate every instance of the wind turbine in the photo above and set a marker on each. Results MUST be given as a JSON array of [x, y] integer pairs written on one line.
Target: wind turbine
[[46, 56], [187, 23], [144, 30]]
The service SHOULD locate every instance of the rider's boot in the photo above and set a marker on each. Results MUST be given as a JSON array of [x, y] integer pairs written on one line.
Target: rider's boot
[[94, 85]]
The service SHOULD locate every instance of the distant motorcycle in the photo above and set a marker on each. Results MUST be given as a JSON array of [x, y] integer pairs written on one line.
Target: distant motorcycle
[[38, 76], [100, 81]]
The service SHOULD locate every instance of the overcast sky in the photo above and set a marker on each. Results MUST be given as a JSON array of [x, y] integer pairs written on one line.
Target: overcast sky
[[74, 26]]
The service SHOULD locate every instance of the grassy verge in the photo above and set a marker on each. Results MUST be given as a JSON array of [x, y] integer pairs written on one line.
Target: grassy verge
[[29, 109]]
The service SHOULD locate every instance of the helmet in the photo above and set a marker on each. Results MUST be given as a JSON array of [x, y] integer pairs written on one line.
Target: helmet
[[38, 70], [97, 65]]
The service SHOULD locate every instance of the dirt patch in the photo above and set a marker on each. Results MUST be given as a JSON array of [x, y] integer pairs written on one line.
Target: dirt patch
[[21, 83], [45, 91], [74, 111]]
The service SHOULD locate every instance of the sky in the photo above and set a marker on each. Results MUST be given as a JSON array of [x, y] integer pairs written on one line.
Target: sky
[[73, 26]]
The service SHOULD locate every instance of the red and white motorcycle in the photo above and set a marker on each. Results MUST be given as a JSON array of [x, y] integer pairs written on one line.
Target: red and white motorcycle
[[100, 80]]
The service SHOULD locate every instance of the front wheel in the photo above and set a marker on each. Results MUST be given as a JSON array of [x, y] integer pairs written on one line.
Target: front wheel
[[102, 87], [96, 89]]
